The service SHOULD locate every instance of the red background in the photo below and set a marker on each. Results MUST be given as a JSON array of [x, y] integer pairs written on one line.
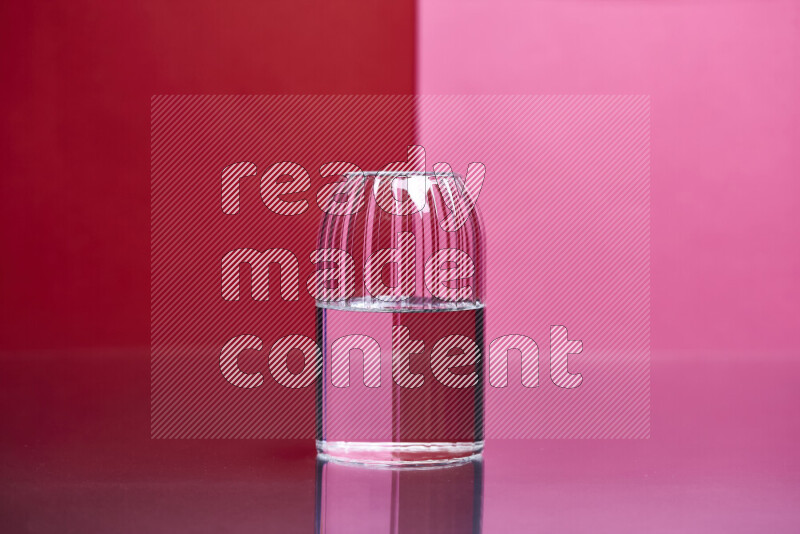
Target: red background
[[77, 78], [77, 81]]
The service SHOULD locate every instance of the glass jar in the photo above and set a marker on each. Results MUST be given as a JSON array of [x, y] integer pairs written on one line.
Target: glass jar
[[400, 319]]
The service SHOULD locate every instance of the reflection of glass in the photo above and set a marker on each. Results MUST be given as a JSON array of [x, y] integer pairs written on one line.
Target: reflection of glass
[[402, 342], [354, 499]]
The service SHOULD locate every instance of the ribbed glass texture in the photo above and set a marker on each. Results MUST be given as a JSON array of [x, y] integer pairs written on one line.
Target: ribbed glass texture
[[416, 242]]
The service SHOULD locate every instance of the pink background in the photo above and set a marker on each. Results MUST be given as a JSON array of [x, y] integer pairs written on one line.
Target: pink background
[[724, 83], [566, 207], [724, 80]]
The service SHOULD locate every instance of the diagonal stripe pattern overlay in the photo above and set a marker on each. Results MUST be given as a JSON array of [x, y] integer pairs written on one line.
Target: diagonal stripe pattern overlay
[[566, 203], [566, 207]]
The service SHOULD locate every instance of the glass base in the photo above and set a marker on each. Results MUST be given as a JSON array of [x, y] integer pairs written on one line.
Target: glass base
[[399, 454]]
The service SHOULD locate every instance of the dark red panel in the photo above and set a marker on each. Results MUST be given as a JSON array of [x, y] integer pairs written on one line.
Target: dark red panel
[[77, 81]]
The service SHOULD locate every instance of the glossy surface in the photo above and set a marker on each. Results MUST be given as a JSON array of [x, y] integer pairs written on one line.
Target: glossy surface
[[76, 457]]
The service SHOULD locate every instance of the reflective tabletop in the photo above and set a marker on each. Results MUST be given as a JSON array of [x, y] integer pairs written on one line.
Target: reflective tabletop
[[76, 456]]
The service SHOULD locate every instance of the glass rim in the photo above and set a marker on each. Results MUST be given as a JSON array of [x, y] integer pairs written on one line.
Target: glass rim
[[401, 174]]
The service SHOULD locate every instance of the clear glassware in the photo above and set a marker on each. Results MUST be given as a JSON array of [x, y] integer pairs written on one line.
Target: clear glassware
[[399, 500], [402, 327]]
